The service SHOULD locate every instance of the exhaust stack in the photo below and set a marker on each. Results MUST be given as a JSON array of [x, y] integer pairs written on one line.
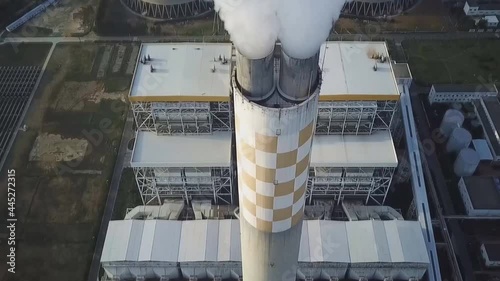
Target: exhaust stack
[[255, 77], [298, 77]]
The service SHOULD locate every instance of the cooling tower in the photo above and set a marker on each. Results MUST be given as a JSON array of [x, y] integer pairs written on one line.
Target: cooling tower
[[273, 145]]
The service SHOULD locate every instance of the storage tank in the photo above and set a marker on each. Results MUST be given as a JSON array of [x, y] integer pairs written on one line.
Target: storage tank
[[452, 119], [459, 139], [466, 162]]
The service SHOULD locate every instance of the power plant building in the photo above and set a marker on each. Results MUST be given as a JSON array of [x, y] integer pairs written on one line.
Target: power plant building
[[183, 91], [211, 249]]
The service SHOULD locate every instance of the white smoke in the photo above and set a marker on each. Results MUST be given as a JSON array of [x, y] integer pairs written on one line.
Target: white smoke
[[306, 24], [301, 25], [252, 24]]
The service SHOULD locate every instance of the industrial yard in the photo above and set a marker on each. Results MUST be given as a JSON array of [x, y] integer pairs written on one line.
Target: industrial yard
[[64, 158]]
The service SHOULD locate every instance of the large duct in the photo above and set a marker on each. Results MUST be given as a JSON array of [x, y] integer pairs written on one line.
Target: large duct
[[298, 77], [255, 77]]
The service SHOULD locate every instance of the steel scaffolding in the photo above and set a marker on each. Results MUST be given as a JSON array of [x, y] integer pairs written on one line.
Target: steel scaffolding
[[183, 118], [377, 8], [369, 184], [355, 117], [189, 9], [157, 184]]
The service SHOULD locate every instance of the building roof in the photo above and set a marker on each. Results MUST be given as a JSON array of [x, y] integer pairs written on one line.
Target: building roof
[[465, 88], [348, 72], [484, 192], [482, 148], [351, 151], [182, 72], [491, 19], [489, 109], [485, 5], [401, 70], [151, 150], [492, 250], [322, 241]]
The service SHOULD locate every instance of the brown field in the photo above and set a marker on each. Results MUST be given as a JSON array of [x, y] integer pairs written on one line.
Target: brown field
[[61, 194]]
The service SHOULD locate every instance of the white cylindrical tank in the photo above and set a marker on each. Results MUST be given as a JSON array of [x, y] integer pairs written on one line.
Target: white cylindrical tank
[[459, 139], [466, 162], [452, 119]]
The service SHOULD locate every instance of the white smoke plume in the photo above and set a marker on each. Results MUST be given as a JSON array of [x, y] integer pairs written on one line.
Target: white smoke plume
[[252, 24], [301, 25], [306, 24]]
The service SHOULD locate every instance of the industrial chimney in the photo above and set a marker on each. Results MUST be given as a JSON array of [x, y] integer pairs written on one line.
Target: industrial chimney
[[274, 131]]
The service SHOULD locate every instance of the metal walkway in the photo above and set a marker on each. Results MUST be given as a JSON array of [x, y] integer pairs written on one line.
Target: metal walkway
[[418, 184]]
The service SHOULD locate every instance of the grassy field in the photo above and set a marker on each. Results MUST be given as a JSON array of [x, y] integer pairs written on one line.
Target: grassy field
[[128, 195], [458, 61], [60, 197]]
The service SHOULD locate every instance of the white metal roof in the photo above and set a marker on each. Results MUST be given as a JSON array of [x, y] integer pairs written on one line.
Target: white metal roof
[[482, 148], [323, 241], [348, 72], [182, 72], [151, 150], [160, 241], [124, 241], [375, 150]]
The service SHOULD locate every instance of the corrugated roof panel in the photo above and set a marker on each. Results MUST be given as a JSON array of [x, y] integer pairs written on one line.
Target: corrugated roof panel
[[225, 241], [235, 241], [384, 254], [394, 241], [315, 245], [212, 240], [166, 241], [304, 252], [134, 244], [362, 243], [147, 240], [334, 242], [193, 241], [117, 240], [412, 242]]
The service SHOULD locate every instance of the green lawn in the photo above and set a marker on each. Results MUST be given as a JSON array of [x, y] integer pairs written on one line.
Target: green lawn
[[454, 61]]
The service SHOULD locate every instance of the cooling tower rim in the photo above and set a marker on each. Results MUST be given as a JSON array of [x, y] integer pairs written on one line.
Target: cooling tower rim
[[251, 58], [373, 1], [169, 2]]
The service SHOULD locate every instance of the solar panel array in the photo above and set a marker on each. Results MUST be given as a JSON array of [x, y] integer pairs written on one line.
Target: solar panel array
[[16, 86]]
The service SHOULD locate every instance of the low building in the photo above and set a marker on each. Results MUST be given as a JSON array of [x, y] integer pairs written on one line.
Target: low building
[[491, 254], [491, 21], [488, 112], [478, 8], [402, 73], [449, 93], [480, 195], [211, 249]]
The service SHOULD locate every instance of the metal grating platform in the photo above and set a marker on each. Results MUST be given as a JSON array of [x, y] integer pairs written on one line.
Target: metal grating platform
[[16, 86]]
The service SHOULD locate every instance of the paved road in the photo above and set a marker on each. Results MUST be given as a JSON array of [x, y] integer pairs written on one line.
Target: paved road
[[398, 37], [127, 134], [456, 233]]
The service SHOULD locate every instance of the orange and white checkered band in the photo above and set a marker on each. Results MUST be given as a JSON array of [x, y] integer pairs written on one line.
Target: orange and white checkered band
[[273, 173]]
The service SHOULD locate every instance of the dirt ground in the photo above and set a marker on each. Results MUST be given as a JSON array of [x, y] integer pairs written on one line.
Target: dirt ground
[[60, 196], [67, 18], [427, 15]]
